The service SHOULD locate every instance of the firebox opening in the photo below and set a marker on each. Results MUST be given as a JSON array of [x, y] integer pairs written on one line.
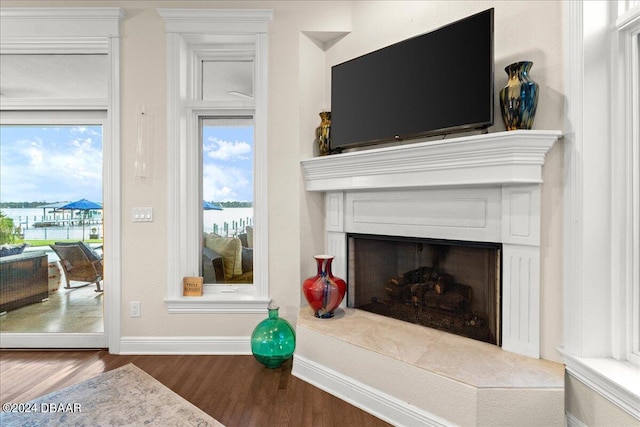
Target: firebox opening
[[453, 286]]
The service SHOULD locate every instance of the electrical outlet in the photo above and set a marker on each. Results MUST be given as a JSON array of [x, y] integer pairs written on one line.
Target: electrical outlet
[[134, 309]]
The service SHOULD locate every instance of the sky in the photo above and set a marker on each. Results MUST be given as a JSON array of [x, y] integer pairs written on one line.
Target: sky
[[50, 163], [227, 157], [64, 163]]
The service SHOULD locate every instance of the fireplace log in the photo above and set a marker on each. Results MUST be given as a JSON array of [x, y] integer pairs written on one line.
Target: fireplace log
[[443, 283], [400, 293], [419, 275], [387, 302], [436, 290], [417, 292], [451, 302]]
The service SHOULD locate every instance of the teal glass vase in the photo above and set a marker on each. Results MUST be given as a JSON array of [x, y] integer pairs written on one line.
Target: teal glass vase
[[273, 341]]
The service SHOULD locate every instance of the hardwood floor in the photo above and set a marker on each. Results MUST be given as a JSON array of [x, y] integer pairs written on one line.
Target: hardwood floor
[[235, 390]]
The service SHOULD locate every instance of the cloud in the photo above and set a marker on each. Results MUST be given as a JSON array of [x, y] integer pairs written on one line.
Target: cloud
[[60, 163], [85, 130], [219, 149], [226, 183], [36, 156]]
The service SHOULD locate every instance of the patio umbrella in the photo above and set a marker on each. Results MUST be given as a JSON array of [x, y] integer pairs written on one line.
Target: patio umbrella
[[82, 205], [208, 206]]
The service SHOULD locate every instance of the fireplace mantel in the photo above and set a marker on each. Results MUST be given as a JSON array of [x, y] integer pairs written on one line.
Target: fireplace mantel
[[484, 188], [514, 157]]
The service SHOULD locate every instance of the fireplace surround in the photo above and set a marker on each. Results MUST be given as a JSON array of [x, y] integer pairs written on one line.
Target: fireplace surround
[[481, 188]]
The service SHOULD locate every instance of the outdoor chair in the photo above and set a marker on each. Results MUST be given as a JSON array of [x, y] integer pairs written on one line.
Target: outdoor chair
[[80, 263]]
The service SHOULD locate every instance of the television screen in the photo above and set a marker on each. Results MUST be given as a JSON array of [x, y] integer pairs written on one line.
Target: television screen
[[435, 83]]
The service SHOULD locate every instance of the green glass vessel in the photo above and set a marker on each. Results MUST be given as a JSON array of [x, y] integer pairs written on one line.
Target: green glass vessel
[[273, 341]]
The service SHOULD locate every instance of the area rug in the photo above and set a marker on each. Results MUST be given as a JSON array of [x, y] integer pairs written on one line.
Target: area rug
[[126, 396]]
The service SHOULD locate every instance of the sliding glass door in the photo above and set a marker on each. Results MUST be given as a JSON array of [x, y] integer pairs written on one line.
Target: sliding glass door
[[52, 282]]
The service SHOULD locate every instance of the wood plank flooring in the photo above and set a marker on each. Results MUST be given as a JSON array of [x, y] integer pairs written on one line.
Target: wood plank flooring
[[235, 390]]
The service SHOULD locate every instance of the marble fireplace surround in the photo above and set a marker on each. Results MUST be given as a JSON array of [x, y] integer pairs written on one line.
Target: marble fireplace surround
[[474, 188]]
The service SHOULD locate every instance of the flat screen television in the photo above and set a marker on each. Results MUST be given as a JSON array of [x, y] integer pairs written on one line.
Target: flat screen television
[[435, 83]]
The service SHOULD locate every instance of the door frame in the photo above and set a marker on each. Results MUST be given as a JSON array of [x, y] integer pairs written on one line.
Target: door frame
[[77, 30]]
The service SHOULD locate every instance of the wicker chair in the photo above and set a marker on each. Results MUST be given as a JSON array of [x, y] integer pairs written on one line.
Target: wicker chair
[[80, 263]]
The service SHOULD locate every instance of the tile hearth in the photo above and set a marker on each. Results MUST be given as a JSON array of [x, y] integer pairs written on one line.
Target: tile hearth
[[467, 361], [436, 378]]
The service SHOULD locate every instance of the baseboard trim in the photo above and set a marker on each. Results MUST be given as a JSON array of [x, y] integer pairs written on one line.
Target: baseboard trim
[[573, 421], [185, 345], [612, 379], [373, 401]]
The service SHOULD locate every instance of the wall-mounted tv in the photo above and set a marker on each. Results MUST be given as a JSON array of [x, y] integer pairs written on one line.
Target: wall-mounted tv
[[435, 83]]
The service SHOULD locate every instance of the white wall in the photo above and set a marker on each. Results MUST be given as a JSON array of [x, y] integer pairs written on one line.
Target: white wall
[[298, 90]]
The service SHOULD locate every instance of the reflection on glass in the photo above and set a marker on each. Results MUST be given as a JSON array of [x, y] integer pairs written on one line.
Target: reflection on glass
[[227, 194], [227, 80]]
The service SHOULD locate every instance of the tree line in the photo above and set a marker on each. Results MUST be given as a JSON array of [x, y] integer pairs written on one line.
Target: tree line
[[235, 204], [22, 205], [29, 205]]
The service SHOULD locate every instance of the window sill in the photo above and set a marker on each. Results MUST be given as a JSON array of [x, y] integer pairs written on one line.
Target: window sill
[[218, 303], [616, 380]]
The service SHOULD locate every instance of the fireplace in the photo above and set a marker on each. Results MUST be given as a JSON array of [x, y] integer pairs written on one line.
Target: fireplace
[[484, 189], [481, 188], [452, 286]]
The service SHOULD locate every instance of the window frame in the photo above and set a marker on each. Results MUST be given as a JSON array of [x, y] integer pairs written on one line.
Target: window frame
[[625, 213], [194, 35]]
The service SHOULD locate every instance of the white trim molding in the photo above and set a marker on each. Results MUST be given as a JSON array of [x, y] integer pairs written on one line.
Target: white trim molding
[[54, 45], [613, 379], [216, 21], [26, 104], [514, 157], [34, 25], [573, 421], [193, 34], [186, 345], [39, 340]]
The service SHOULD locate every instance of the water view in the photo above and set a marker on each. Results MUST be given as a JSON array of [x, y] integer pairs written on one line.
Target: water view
[[41, 224]]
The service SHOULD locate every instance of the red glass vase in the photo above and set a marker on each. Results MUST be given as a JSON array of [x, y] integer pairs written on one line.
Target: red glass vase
[[324, 292]]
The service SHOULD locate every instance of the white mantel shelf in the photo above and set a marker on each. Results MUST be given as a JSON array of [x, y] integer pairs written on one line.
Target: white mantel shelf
[[514, 157]]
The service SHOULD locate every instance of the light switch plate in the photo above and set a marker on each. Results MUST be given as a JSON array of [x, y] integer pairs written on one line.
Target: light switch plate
[[142, 214], [134, 309]]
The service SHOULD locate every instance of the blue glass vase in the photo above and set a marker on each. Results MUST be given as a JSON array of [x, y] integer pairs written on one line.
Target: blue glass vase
[[519, 98], [273, 341]]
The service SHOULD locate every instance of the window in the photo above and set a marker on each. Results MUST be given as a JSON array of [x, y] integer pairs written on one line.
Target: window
[[601, 293], [626, 183], [216, 74], [227, 193]]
